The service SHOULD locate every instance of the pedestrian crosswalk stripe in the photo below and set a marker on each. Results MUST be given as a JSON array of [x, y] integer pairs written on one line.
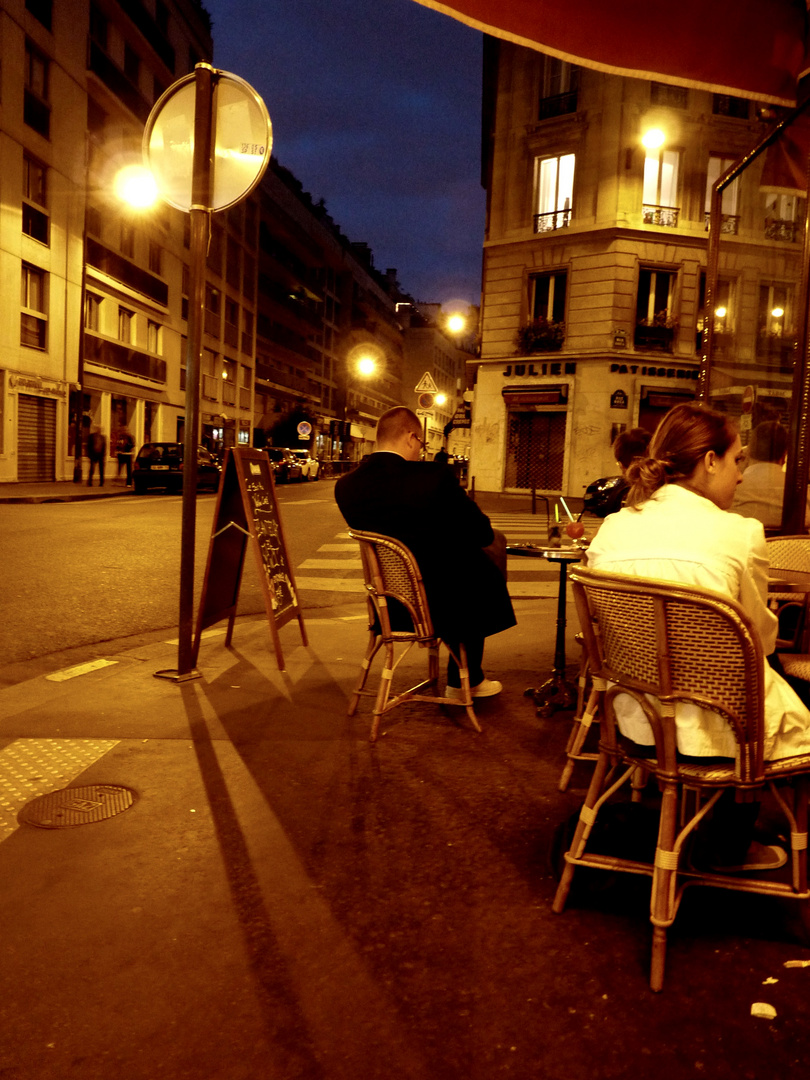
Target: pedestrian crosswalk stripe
[[331, 564], [336, 566], [324, 584]]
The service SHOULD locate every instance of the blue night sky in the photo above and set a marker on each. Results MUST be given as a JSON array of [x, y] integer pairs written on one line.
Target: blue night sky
[[376, 108]]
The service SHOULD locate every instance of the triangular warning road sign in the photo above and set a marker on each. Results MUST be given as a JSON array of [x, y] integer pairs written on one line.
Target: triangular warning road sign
[[426, 385]]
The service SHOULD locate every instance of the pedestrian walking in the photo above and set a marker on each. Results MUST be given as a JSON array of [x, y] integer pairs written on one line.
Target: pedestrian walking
[[97, 453], [124, 449]]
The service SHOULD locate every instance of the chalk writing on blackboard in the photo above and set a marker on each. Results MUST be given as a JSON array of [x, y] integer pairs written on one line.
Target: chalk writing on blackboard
[[247, 515]]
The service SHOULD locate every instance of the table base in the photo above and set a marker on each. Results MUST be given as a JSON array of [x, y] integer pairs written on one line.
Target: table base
[[556, 694]]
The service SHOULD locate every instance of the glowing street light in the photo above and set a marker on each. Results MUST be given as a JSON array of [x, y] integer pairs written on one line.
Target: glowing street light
[[440, 399], [366, 365], [457, 324], [653, 139], [135, 185]]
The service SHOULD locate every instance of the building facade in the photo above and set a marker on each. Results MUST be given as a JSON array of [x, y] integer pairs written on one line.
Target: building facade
[[95, 294], [595, 260]]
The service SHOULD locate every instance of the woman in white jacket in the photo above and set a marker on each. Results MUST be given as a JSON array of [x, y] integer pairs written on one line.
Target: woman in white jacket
[[676, 527]]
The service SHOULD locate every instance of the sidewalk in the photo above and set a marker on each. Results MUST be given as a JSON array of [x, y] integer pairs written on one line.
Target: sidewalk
[[61, 491], [283, 900]]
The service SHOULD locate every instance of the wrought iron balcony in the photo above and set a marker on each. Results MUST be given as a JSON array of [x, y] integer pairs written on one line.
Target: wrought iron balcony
[[781, 229], [558, 105], [554, 219], [729, 223], [654, 337], [665, 217]]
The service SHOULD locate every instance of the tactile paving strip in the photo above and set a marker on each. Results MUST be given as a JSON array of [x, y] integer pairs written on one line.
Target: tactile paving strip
[[33, 767]]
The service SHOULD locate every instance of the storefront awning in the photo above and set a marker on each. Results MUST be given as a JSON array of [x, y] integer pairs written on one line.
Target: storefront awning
[[750, 48], [535, 395]]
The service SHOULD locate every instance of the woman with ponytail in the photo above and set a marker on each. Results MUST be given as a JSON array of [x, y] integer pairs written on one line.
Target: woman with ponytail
[[676, 527]]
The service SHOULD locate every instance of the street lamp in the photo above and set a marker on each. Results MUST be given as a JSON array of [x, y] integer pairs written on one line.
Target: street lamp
[[135, 186], [364, 360]]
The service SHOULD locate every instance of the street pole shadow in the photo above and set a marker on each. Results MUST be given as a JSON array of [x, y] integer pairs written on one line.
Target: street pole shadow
[[286, 1027]]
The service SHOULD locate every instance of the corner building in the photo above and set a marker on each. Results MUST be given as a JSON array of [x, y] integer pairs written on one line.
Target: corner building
[[594, 269]]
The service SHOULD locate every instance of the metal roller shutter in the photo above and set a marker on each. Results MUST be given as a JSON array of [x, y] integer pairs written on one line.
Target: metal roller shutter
[[36, 439]]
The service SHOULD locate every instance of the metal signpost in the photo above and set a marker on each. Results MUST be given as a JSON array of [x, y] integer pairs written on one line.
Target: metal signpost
[[207, 142]]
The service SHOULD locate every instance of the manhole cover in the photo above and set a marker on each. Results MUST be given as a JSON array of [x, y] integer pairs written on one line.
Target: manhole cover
[[76, 806]]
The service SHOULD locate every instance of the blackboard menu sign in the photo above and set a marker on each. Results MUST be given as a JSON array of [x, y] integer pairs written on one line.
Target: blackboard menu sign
[[247, 516]]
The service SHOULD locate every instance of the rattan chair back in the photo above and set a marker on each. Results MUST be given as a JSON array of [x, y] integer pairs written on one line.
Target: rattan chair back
[[790, 553], [390, 572], [678, 644]]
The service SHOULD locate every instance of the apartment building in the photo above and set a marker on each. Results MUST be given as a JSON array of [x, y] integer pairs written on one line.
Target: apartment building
[[94, 328], [95, 294], [320, 305], [595, 257]]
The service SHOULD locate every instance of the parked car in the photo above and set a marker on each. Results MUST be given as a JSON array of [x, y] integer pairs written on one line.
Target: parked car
[[309, 465], [160, 464], [285, 467]]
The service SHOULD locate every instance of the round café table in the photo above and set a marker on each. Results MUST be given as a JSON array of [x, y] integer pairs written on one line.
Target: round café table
[[556, 692]]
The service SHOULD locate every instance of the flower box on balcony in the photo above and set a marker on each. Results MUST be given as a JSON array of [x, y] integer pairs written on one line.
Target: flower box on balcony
[[654, 337], [540, 335]]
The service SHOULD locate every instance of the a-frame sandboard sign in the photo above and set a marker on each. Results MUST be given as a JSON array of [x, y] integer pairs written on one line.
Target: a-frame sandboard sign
[[247, 515]]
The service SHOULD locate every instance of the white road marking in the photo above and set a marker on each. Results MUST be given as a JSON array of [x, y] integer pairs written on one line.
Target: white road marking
[[79, 669]]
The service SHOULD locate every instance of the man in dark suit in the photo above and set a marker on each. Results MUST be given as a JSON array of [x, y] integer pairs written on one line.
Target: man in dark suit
[[421, 504]]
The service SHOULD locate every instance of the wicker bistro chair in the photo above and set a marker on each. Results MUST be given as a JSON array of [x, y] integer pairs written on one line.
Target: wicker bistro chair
[[589, 693], [391, 572], [679, 644], [789, 558]]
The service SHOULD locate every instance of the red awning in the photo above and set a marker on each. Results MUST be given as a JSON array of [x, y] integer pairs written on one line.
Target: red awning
[[749, 48]]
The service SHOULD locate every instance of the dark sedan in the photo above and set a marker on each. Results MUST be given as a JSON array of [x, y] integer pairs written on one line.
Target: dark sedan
[[284, 465], [160, 464]]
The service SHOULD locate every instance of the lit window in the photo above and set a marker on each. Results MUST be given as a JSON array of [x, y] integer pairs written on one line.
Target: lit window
[[775, 309], [33, 320], [127, 239], [655, 296], [660, 191], [125, 325], [717, 166], [155, 257], [92, 312], [154, 338], [34, 218], [554, 192]]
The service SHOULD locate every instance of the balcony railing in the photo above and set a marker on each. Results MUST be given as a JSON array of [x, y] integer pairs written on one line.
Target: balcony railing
[[781, 229], [775, 349], [554, 219], [729, 223], [654, 337], [115, 80], [210, 387], [665, 217], [116, 266], [120, 357], [559, 105]]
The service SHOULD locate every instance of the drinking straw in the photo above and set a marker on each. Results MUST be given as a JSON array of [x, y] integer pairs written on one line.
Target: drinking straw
[[565, 504]]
